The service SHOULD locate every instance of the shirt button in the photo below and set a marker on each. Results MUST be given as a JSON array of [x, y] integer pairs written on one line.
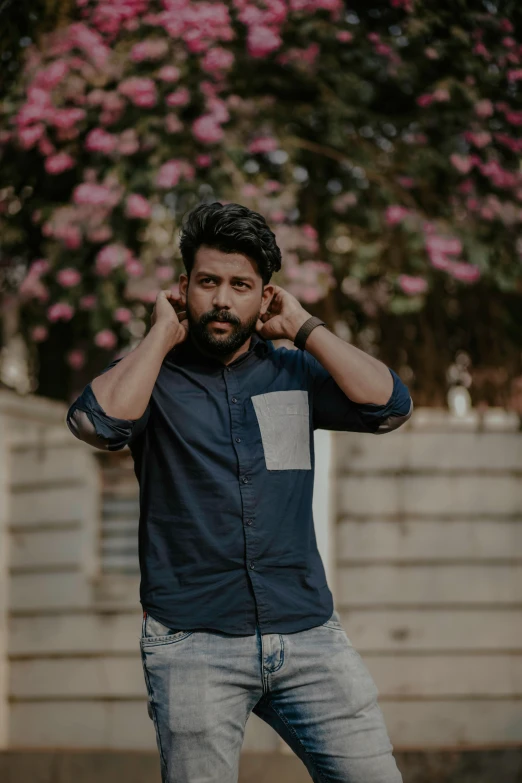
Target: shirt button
[[234, 399], [249, 521], [244, 480], [238, 440], [252, 564]]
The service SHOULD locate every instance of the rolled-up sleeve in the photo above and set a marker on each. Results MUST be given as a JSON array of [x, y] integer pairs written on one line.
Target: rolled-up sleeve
[[88, 421], [333, 410]]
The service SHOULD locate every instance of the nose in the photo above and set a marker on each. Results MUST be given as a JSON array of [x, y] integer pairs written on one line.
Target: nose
[[221, 298]]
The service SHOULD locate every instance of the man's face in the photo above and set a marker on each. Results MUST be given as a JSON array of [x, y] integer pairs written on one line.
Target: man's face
[[224, 298]]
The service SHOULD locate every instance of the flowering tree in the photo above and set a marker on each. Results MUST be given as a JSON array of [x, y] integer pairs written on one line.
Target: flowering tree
[[382, 146]]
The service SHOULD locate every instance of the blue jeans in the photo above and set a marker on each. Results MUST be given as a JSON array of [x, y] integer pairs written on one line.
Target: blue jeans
[[312, 687]]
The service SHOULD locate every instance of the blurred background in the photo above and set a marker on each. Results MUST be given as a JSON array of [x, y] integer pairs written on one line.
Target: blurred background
[[382, 142]]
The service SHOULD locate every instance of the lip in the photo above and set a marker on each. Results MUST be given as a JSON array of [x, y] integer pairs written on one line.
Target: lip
[[220, 324]]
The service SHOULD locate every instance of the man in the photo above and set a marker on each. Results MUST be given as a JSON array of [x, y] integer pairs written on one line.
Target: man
[[237, 614]]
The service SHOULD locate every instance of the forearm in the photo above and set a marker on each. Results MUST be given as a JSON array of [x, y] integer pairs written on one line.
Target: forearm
[[124, 391], [361, 377]]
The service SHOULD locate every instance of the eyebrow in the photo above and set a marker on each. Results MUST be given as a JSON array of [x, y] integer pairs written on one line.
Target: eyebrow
[[243, 278]]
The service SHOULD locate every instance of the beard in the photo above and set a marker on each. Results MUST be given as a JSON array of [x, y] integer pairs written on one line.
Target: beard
[[221, 345]]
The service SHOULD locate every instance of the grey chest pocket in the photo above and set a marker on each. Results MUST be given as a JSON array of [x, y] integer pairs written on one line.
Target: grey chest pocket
[[284, 422]]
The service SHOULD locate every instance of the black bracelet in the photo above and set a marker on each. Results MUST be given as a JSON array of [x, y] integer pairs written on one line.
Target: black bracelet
[[304, 331]]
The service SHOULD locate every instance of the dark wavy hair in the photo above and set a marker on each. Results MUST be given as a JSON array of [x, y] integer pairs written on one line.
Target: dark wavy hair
[[230, 228]]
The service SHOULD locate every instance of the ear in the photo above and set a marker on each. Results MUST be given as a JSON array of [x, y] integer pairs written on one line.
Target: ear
[[183, 286], [268, 293]]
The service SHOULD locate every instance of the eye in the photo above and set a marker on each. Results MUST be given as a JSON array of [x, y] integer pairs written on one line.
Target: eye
[[240, 282]]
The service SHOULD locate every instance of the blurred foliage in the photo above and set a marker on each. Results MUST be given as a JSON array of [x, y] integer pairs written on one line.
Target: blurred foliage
[[381, 141]]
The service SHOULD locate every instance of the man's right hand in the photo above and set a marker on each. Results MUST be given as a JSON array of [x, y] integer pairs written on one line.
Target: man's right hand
[[169, 316]]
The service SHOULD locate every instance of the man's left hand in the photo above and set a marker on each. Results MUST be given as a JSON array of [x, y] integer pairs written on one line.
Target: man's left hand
[[284, 317]]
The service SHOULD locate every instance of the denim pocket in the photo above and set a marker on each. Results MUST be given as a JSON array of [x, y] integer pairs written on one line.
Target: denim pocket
[[153, 633], [334, 622]]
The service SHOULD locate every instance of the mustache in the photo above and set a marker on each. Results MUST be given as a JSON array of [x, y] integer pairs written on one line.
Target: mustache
[[223, 317]]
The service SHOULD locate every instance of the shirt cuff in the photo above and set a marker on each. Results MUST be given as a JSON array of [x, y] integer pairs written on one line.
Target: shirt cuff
[[385, 418], [88, 421]]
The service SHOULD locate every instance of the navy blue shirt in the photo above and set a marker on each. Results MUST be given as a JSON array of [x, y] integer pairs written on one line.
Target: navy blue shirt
[[225, 464]]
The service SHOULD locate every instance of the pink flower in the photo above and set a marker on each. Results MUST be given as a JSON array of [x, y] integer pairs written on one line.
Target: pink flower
[[515, 75], [39, 267], [110, 257], [309, 231], [106, 339], [484, 108], [89, 41], [263, 144], [217, 59], [99, 234], [466, 187], [140, 90], [128, 143], [262, 41], [344, 36], [462, 163], [45, 146], [55, 164], [88, 302], [481, 50], [164, 272], [151, 49], [431, 53], [424, 100], [173, 124], [99, 140], [68, 277], [137, 206], [249, 190], [169, 73], [203, 161], [206, 130], [30, 134], [32, 287], [39, 334], [66, 118], [514, 117], [122, 315], [92, 194], [76, 359], [178, 98], [441, 244], [61, 311], [48, 78], [272, 186], [169, 174], [413, 286], [479, 139], [467, 273], [395, 214], [134, 268], [441, 94]]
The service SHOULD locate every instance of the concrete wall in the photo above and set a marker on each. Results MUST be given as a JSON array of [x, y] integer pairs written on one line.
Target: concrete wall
[[429, 574], [420, 531]]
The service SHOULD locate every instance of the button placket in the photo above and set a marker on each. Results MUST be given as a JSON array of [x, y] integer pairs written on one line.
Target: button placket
[[235, 397]]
